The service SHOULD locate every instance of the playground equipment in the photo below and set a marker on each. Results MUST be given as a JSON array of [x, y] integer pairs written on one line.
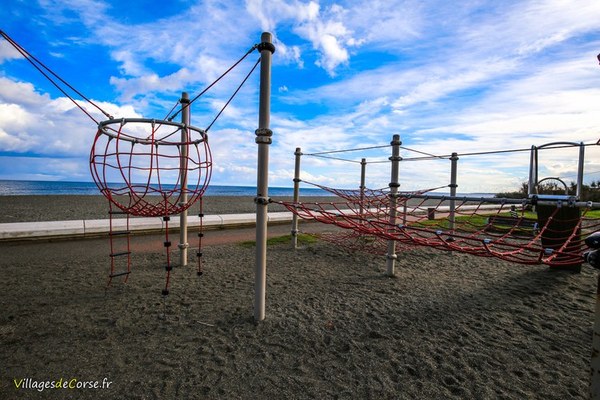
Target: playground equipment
[[158, 168], [487, 227], [131, 161]]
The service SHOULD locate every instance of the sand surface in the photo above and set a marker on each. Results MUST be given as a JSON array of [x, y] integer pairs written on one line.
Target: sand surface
[[448, 326]]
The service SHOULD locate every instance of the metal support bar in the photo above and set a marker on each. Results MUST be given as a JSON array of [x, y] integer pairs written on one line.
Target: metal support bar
[[394, 184], [569, 201], [363, 168], [580, 170], [183, 166], [298, 154], [453, 186], [263, 139], [533, 171]]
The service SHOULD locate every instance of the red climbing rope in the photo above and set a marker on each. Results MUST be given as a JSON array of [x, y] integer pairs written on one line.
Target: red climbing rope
[[131, 160], [487, 229]]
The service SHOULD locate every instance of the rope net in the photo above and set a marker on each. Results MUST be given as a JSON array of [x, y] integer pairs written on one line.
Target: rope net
[[132, 160], [551, 235]]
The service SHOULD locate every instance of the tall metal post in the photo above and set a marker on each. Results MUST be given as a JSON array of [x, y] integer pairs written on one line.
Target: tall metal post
[[298, 154], [263, 139], [183, 166], [580, 170], [394, 184], [533, 171], [453, 186], [363, 170]]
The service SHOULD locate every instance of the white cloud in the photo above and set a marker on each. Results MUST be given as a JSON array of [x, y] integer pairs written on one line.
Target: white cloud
[[7, 51], [31, 123], [448, 76]]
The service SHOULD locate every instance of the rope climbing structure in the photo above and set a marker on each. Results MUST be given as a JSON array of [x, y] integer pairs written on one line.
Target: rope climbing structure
[[538, 229], [148, 167]]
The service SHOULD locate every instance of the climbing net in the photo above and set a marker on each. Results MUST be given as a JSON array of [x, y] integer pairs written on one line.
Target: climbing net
[[536, 230], [477, 227], [146, 167], [132, 161]]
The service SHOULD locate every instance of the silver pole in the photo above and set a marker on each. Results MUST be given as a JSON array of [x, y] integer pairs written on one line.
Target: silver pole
[[263, 139], [298, 154], [395, 159], [533, 170], [453, 186], [183, 165], [363, 169], [580, 170]]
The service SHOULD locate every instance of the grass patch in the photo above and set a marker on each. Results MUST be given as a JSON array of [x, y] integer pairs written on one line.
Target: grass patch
[[593, 214], [303, 239]]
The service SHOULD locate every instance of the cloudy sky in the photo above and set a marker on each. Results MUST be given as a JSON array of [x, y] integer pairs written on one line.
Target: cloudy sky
[[447, 76]]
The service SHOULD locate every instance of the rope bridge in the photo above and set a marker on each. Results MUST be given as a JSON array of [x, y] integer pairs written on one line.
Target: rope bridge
[[486, 227]]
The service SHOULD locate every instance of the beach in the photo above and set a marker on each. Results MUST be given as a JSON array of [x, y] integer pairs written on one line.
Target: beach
[[72, 207], [447, 326]]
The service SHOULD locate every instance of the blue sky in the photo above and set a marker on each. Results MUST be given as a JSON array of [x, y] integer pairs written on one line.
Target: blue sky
[[464, 76]]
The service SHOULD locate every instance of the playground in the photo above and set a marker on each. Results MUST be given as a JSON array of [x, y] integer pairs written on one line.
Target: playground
[[471, 321], [454, 325]]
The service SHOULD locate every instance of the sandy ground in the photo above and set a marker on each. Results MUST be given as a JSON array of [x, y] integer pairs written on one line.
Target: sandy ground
[[448, 326]]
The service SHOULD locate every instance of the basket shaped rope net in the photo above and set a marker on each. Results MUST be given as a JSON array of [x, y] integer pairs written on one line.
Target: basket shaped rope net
[[148, 167]]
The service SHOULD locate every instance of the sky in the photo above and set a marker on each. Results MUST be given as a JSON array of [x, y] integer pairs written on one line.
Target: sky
[[466, 76]]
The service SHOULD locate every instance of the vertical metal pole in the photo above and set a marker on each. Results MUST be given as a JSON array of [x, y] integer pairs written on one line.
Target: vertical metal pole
[[298, 154], [595, 361], [363, 169], [394, 184], [183, 165], [263, 139], [580, 170], [453, 186], [533, 171]]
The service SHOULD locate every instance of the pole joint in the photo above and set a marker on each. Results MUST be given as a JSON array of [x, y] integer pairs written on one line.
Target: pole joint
[[263, 136], [266, 46], [263, 201]]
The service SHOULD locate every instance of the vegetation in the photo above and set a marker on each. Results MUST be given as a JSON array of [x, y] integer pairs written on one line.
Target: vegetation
[[303, 239], [589, 192]]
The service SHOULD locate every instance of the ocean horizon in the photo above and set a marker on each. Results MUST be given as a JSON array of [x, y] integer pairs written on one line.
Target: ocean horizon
[[41, 188]]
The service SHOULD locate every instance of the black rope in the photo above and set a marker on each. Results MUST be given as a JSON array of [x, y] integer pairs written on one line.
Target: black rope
[[421, 152], [214, 83], [169, 113], [333, 158], [37, 64], [346, 150], [480, 153], [233, 95]]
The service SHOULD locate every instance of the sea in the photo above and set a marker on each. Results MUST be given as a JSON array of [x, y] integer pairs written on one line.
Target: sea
[[26, 188]]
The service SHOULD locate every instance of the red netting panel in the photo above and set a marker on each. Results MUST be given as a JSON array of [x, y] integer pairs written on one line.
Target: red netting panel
[[474, 229], [371, 197], [139, 166]]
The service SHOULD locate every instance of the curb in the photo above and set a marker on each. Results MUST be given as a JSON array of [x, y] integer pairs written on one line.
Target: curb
[[97, 227]]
